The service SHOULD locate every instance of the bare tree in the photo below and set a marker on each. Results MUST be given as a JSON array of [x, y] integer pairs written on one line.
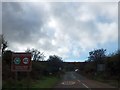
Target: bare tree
[[3, 43], [36, 55]]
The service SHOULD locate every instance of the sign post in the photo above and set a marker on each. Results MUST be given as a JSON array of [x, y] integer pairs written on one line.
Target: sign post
[[21, 62]]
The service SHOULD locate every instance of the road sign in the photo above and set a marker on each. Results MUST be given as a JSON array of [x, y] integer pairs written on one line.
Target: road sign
[[21, 62]]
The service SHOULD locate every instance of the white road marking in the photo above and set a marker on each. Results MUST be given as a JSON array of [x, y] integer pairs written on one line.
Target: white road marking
[[68, 83], [83, 84], [78, 80], [62, 83]]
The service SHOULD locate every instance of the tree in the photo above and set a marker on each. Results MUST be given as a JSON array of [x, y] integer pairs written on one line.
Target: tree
[[7, 56], [0, 40], [4, 43], [54, 63], [97, 55], [0, 45], [36, 55], [112, 64]]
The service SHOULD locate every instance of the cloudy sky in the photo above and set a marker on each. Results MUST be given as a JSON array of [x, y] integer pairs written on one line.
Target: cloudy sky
[[66, 29]]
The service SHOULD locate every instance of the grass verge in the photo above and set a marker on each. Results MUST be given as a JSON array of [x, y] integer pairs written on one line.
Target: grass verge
[[100, 78], [45, 82], [114, 83]]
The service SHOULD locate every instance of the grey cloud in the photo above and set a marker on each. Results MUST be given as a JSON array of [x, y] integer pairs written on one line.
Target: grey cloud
[[66, 14], [22, 23], [0, 17], [119, 25], [27, 23], [46, 45]]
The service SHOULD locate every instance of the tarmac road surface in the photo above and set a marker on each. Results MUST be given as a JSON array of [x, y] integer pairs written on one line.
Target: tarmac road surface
[[75, 80]]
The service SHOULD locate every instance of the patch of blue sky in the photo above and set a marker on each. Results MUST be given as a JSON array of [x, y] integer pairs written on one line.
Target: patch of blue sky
[[83, 56], [104, 19], [73, 59], [110, 47]]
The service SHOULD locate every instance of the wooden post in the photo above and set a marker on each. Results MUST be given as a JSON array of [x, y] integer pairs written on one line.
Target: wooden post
[[16, 78], [28, 80], [118, 83]]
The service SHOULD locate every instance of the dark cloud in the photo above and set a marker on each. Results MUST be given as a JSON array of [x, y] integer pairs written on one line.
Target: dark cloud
[[22, 23], [119, 25], [0, 17]]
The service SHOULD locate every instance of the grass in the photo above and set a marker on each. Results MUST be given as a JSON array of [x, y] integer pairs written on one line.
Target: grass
[[113, 82], [100, 78], [13, 84], [45, 82]]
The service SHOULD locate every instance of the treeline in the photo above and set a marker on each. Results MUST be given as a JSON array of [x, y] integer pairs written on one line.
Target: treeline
[[52, 66], [102, 65]]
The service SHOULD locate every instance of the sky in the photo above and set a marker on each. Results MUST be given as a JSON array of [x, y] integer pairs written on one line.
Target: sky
[[67, 29]]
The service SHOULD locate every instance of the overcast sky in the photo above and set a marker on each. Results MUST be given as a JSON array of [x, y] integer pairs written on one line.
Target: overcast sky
[[69, 30]]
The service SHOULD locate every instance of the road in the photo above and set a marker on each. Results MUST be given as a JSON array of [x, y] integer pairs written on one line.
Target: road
[[75, 80]]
